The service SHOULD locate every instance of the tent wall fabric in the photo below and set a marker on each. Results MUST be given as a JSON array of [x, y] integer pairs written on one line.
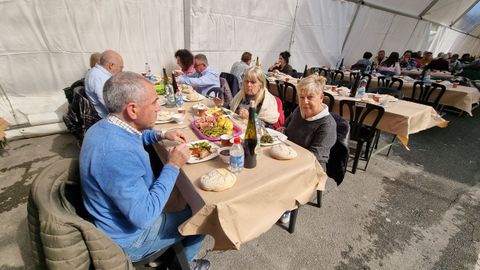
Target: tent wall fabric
[[45, 45]]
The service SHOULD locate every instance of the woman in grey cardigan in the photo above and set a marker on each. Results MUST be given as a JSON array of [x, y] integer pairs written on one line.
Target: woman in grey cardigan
[[311, 125]]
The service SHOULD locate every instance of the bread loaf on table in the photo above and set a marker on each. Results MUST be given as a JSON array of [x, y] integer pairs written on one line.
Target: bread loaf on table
[[217, 180], [283, 152]]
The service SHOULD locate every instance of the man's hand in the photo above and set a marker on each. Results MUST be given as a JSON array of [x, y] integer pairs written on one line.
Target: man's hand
[[178, 155], [243, 113], [176, 135], [281, 129]]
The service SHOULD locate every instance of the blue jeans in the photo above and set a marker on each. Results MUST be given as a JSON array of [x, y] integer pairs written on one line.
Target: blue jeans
[[164, 233]]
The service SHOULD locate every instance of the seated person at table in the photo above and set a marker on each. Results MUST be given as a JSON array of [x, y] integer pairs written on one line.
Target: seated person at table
[[377, 60], [94, 59], [439, 63], [185, 61], [426, 59], [282, 64], [311, 125], [205, 77], [391, 66], [118, 186], [363, 63], [253, 88], [407, 61], [110, 64], [238, 68]]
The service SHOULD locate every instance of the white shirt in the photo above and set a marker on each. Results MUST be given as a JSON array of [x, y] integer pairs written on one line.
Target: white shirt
[[94, 82], [320, 115]]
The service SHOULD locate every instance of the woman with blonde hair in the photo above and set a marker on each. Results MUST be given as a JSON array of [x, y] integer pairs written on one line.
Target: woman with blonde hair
[[253, 88], [311, 125]]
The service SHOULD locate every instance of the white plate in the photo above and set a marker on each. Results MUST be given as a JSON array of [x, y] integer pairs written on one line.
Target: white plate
[[200, 97], [193, 160], [161, 100], [164, 117], [278, 137]]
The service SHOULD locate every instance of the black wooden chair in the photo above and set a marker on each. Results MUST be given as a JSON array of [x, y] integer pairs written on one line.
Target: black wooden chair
[[215, 92], [287, 92], [391, 82], [361, 132], [337, 77], [427, 94], [330, 101], [233, 82], [320, 71]]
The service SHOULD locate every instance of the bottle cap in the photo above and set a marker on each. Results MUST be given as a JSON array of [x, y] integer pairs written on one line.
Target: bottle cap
[[236, 140]]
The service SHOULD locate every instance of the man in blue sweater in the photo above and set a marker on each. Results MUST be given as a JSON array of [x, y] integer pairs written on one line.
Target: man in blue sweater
[[119, 188]]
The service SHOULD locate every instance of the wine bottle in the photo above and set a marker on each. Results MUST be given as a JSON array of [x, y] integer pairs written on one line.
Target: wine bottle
[[257, 63], [250, 141], [169, 91], [174, 83], [305, 71]]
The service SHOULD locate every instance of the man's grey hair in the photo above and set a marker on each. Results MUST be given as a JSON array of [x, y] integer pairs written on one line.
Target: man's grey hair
[[202, 57], [122, 88]]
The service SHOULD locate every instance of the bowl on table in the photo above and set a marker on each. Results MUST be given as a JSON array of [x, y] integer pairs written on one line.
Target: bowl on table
[[178, 117], [224, 154]]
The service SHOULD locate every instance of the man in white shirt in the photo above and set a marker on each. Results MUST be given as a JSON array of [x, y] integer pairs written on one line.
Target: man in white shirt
[[238, 68], [110, 64]]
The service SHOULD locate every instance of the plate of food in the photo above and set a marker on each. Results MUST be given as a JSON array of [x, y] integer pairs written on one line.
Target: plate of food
[[164, 117], [193, 97], [201, 151], [212, 127], [271, 137]]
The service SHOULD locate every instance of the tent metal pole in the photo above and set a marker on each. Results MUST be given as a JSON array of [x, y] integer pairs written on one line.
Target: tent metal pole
[[463, 14], [292, 34], [432, 3], [411, 35], [186, 24], [388, 30], [350, 28]]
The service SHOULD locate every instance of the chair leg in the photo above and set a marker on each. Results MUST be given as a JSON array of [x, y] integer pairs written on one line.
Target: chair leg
[[391, 144], [358, 150], [181, 257], [293, 220], [319, 198], [370, 151]]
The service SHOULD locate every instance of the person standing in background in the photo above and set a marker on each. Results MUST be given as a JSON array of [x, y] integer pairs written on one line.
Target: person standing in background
[[238, 68]]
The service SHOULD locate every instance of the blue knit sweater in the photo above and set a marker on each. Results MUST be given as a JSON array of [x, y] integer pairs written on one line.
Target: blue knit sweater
[[119, 189]]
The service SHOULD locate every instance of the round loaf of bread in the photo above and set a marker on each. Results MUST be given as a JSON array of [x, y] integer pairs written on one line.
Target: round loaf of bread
[[282, 151], [217, 180]]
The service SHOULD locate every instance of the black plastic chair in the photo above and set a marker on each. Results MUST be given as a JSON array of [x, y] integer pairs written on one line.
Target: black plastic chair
[[356, 83], [233, 82], [287, 92], [390, 82], [320, 71], [423, 94], [336, 76], [360, 132], [330, 102], [215, 92]]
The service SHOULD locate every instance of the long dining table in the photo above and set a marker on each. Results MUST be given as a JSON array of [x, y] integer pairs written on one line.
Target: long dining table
[[402, 118], [256, 201], [463, 98]]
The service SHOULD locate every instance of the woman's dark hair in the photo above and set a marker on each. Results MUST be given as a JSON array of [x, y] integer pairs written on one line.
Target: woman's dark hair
[[285, 55], [367, 55], [186, 58], [391, 60]]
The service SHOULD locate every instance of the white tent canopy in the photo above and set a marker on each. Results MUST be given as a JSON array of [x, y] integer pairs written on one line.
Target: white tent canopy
[[45, 45]]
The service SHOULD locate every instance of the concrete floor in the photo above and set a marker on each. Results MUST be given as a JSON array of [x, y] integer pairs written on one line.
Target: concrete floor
[[417, 209]]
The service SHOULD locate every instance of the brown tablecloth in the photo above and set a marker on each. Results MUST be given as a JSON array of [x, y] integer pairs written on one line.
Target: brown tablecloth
[[257, 200]]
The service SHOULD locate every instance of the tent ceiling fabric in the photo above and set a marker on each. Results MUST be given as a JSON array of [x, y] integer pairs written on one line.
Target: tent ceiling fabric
[[45, 45]]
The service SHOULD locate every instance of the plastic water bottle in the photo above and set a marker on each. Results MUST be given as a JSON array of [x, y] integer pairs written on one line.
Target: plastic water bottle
[[148, 72], [361, 89], [179, 99], [426, 78], [237, 156]]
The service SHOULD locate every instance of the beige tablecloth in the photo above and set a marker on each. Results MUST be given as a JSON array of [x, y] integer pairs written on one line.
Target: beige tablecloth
[[462, 97], [255, 202], [403, 118]]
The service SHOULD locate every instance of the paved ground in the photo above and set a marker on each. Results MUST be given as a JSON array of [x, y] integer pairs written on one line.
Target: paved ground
[[417, 209]]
